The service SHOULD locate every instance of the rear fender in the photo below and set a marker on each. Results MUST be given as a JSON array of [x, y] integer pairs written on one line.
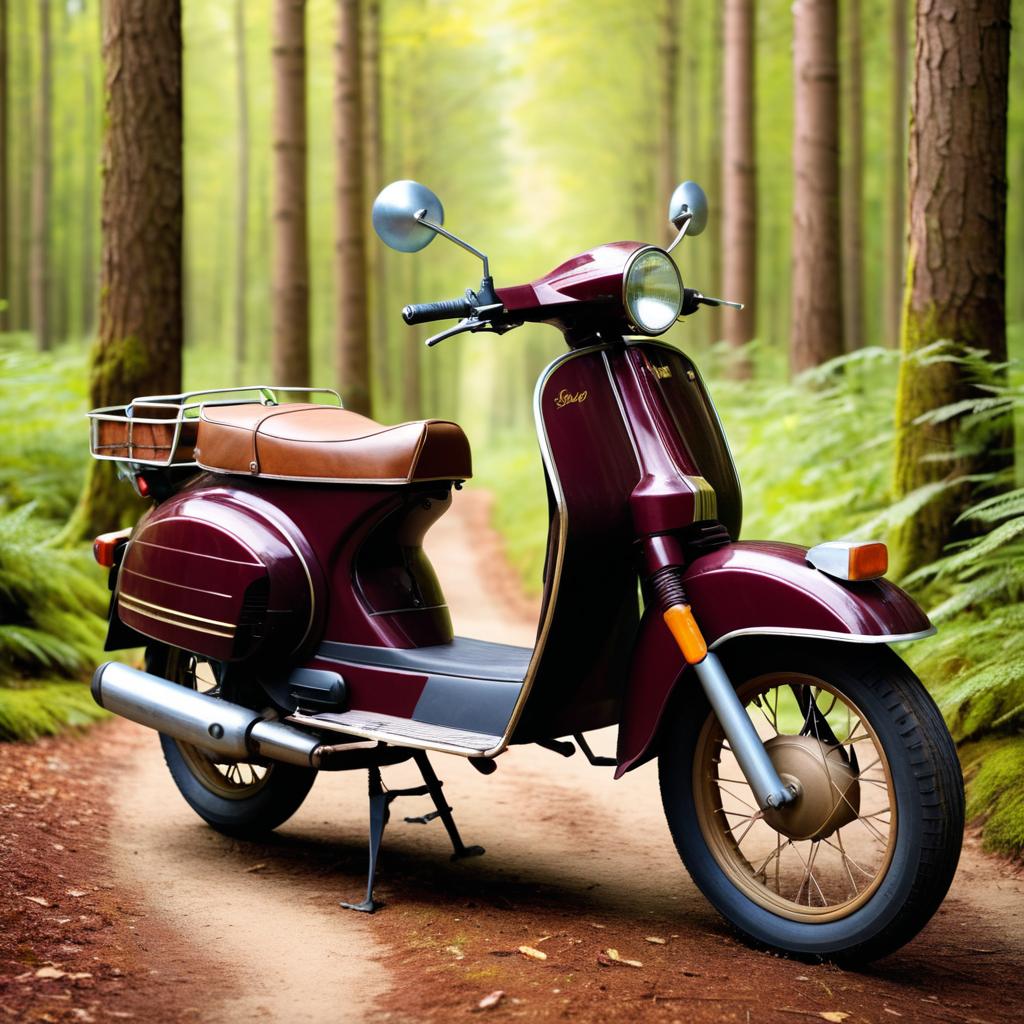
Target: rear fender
[[750, 589]]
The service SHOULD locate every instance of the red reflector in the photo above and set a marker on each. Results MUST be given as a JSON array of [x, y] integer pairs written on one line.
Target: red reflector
[[140, 483], [104, 547]]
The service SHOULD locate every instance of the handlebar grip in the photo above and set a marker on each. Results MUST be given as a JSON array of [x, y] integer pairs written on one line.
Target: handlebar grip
[[446, 309]]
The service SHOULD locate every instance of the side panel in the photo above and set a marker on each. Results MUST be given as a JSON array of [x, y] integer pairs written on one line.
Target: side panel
[[667, 399], [749, 589], [591, 606]]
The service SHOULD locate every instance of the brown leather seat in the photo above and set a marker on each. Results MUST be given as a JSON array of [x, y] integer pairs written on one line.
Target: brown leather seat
[[325, 443]]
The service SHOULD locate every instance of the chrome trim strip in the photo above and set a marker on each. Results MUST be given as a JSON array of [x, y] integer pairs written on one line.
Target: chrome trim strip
[[173, 611], [174, 622], [825, 634]]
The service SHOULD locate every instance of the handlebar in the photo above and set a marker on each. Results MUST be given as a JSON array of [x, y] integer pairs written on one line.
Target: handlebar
[[446, 309]]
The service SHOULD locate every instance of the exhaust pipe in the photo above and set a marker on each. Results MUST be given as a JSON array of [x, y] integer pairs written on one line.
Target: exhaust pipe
[[207, 722]]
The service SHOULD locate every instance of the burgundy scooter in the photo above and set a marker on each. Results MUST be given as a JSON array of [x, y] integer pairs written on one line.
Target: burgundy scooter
[[293, 623]]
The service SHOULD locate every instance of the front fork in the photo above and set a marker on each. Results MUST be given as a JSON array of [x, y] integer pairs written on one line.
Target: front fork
[[769, 790]]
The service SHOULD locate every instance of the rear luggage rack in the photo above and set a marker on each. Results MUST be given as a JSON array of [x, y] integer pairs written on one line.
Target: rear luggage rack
[[160, 430]]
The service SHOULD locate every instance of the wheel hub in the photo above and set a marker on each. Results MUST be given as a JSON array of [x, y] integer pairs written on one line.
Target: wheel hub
[[829, 793]]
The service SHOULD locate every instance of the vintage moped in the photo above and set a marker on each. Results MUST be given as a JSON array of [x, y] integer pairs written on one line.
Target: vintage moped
[[293, 624]]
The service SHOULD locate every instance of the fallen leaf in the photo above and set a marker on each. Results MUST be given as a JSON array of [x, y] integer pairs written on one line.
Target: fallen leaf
[[455, 952], [490, 1001], [77, 892], [39, 899], [56, 973], [613, 954], [594, 924], [543, 938], [837, 1016], [255, 867], [655, 940], [536, 954], [895, 1013]]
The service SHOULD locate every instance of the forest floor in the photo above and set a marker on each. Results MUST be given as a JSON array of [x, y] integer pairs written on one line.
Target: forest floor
[[117, 903]]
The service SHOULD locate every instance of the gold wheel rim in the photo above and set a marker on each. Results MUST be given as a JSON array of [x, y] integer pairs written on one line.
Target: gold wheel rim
[[232, 780], [812, 880]]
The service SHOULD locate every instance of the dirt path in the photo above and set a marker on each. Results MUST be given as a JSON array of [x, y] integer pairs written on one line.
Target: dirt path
[[575, 865]]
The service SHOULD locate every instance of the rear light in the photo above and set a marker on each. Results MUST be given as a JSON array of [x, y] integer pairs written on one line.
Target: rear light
[[104, 547], [850, 560], [142, 486]]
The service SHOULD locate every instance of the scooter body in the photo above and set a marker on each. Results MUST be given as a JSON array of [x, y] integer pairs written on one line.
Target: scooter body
[[298, 573]]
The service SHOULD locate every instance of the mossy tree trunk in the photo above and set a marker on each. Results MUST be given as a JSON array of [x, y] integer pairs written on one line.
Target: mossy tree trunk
[[817, 306], [956, 259], [739, 183], [290, 269], [351, 281], [138, 351]]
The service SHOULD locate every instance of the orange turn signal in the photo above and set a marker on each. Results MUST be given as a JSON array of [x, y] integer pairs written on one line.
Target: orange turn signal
[[868, 561], [850, 560], [683, 626], [104, 547]]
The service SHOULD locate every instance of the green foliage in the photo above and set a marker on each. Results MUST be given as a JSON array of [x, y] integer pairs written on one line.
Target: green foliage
[[52, 599], [43, 430], [994, 794]]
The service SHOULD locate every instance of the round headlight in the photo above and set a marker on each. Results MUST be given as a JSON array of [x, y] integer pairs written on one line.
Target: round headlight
[[653, 291]]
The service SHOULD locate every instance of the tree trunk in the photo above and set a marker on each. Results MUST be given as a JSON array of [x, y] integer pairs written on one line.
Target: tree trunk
[[956, 259], [41, 172], [290, 269], [896, 211], [817, 305], [853, 181], [242, 216], [88, 275], [138, 351], [5, 284], [351, 328], [384, 371], [739, 183], [668, 142], [711, 284]]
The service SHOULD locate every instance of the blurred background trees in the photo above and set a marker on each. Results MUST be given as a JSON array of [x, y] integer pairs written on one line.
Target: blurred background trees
[[869, 387]]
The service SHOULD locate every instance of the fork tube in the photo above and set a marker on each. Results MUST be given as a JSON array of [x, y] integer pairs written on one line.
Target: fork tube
[[769, 790]]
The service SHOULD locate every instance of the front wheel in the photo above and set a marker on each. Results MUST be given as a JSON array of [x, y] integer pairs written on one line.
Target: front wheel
[[857, 865]]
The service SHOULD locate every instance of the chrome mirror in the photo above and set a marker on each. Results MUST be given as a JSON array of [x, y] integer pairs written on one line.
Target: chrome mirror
[[689, 206], [399, 213]]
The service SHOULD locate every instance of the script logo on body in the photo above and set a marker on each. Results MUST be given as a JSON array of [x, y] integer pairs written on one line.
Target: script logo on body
[[565, 398]]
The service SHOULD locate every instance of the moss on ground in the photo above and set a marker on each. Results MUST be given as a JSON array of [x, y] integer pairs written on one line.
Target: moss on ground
[[994, 769]]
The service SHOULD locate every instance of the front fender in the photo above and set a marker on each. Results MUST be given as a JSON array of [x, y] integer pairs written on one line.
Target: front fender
[[751, 588]]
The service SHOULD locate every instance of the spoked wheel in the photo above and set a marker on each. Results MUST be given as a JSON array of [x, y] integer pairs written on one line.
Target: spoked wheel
[[859, 862], [243, 799]]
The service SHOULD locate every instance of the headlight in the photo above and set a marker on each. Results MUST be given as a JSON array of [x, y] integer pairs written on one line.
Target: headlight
[[653, 291]]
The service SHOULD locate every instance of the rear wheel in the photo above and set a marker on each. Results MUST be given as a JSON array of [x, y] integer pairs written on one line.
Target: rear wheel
[[857, 865], [243, 799]]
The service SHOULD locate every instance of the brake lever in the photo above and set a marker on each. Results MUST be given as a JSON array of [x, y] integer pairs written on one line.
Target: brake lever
[[471, 324]]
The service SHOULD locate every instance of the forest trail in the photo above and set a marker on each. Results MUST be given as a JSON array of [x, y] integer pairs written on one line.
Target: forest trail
[[575, 864]]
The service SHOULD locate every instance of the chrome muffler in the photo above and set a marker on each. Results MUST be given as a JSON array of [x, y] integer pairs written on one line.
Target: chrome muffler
[[218, 726]]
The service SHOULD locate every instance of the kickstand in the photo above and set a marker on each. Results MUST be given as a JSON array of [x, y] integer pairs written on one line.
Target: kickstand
[[443, 811], [380, 813]]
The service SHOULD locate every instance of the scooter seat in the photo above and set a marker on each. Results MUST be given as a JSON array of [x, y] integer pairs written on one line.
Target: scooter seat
[[328, 444]]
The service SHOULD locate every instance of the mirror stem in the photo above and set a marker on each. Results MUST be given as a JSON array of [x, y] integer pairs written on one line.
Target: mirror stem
[[421, 216], [682, 232]]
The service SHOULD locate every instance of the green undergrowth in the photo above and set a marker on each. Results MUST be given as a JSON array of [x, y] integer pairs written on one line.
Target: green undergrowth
[[815, 462], [52, 598]]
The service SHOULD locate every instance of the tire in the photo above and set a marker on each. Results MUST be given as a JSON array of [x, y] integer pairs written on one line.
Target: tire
[[860, 908], [241, 800]]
